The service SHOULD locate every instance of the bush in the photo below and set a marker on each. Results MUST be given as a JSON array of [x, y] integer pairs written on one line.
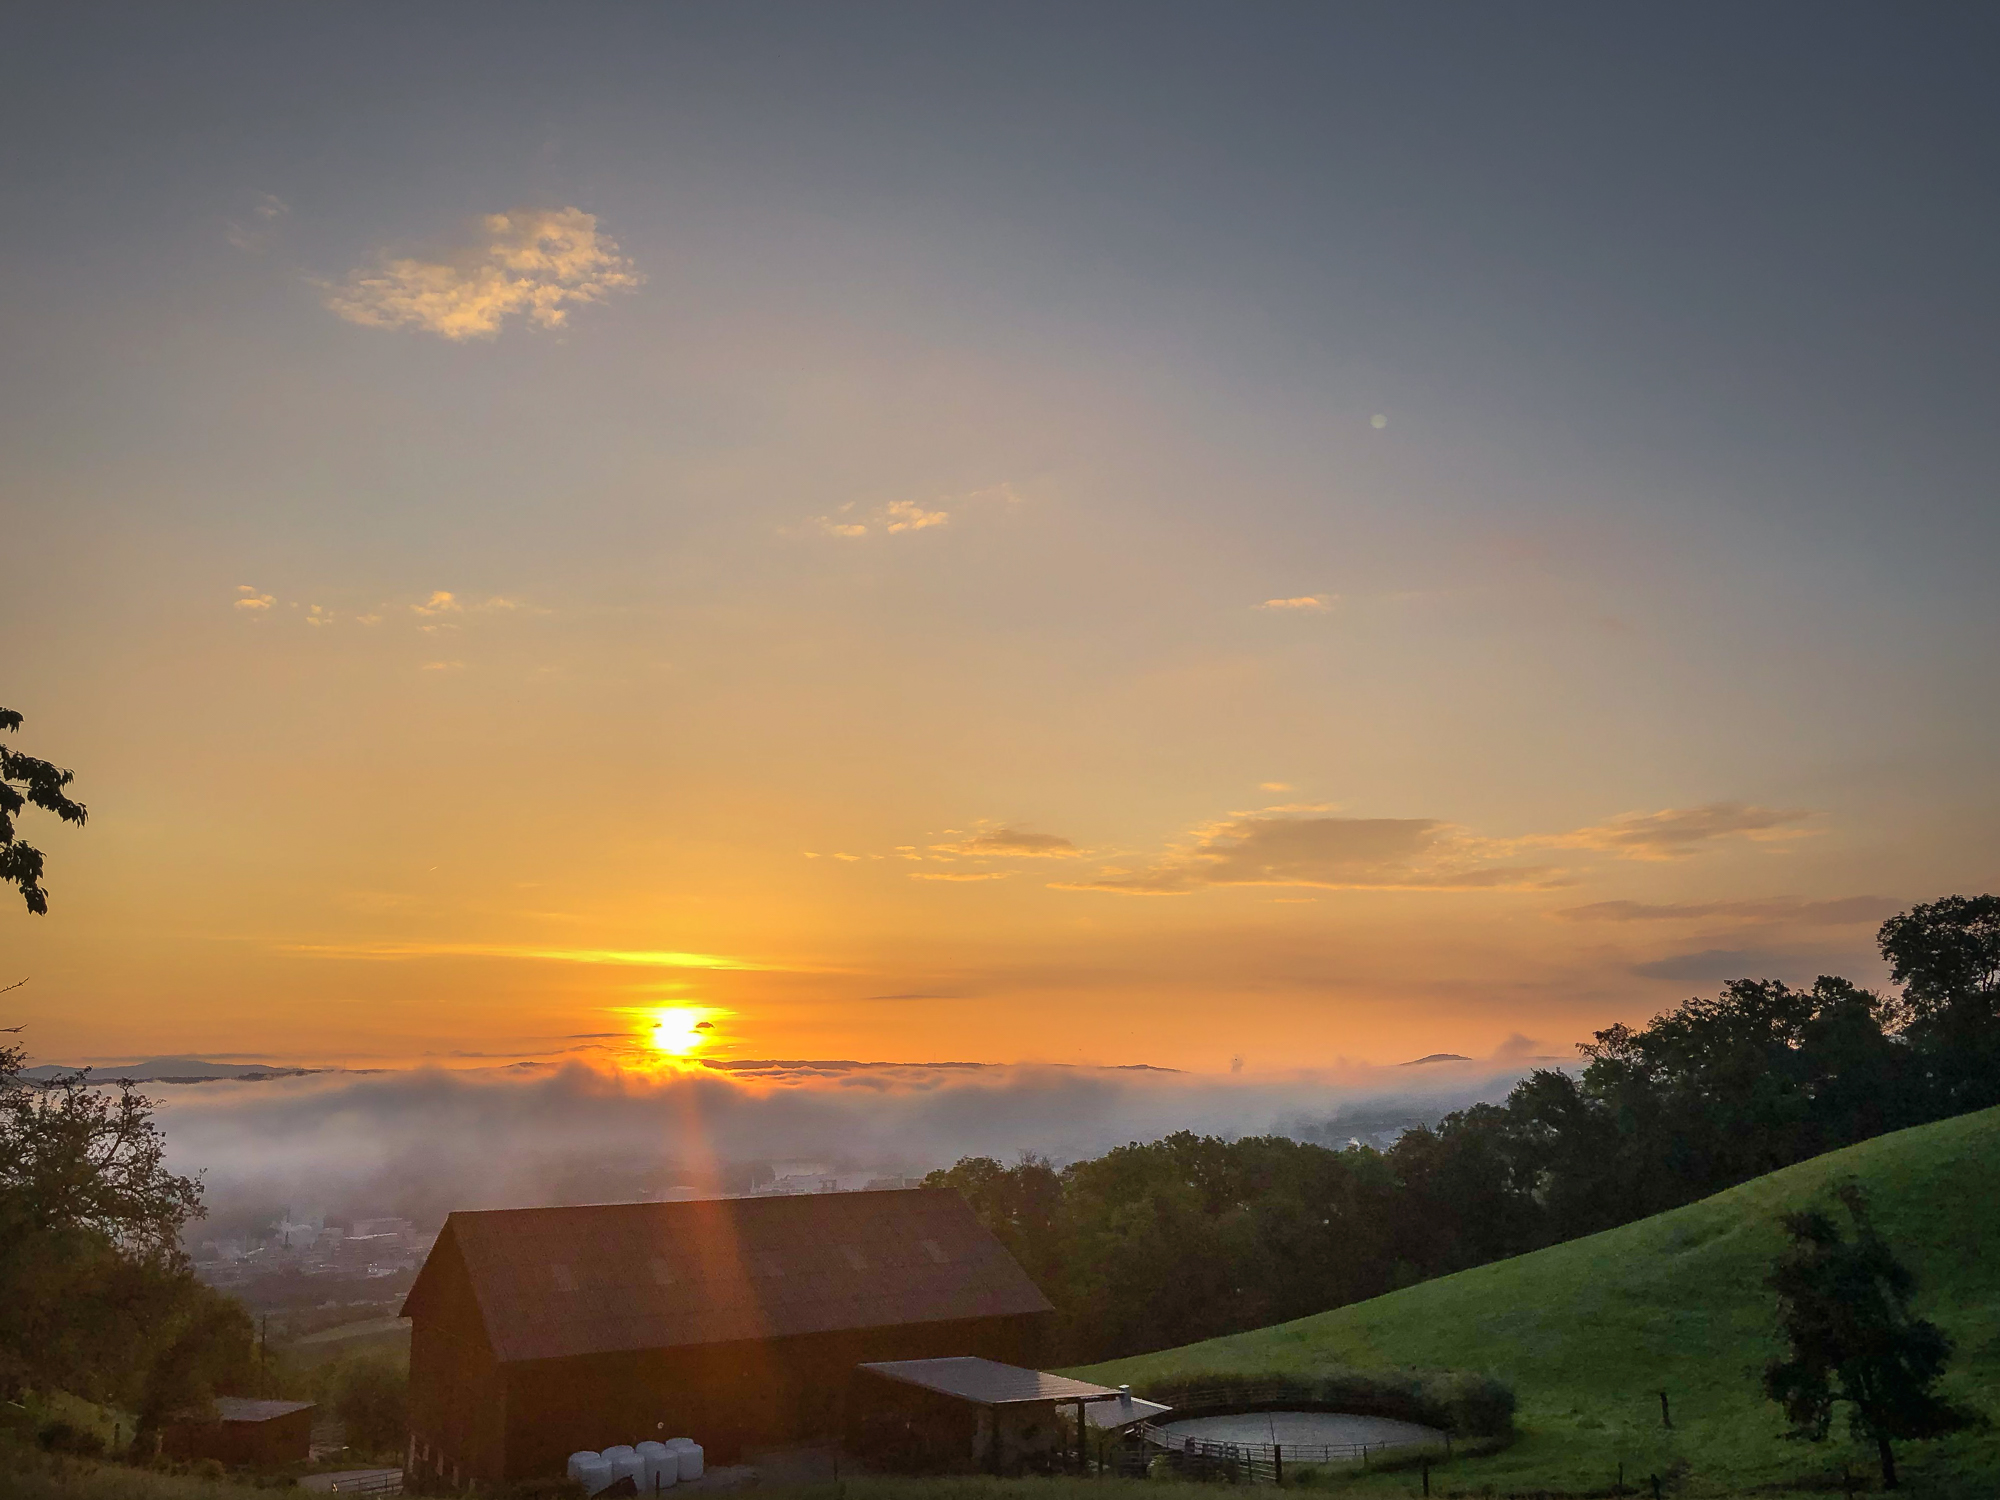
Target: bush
[[544, 1489], [1459, 1402], [66, 1437]]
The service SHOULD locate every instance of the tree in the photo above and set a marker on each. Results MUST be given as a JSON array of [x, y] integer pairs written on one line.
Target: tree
[[1844, 1306], [1946, 956], [372, 1397], [25, 781], [100, 1299]]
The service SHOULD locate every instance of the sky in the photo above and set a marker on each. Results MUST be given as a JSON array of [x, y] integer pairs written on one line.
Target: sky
[[1235, 538]]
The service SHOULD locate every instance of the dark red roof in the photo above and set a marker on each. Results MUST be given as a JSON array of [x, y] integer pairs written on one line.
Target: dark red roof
[[554, 1282]]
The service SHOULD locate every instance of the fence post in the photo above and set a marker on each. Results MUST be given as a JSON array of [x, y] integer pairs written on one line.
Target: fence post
[[1666, 1417], [1427, 1476], [1278, 1464]]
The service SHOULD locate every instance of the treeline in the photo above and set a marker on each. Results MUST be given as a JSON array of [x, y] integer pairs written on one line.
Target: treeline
[[1155, 1245], [100, 1300]]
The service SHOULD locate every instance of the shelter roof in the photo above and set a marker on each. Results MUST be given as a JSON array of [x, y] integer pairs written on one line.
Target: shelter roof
[[556, 1282], [987, 1382], [243, 1409]]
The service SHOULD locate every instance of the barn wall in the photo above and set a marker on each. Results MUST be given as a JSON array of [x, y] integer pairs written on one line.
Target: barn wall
[[727, 1397], [268, 1444], [457, 1394]]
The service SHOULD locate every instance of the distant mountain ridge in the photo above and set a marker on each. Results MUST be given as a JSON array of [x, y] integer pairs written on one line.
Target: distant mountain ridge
[[168, 1070]]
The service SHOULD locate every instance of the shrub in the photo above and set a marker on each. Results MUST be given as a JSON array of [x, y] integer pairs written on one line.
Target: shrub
[[1460, 1402], [64, 1437]]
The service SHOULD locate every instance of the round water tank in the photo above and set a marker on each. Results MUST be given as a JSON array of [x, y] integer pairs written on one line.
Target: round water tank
[[594, 1474], [690, 1460], [576, 1460]]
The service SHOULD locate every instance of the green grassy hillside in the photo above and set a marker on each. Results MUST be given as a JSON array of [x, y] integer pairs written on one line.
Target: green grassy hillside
[[1588, 1333]]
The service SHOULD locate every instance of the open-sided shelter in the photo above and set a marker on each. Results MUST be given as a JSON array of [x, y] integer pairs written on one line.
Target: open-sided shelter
[[539, 1332], [964, 1414]]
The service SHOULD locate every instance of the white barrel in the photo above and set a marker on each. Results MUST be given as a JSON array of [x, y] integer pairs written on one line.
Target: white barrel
[[594, 1474], [690, 1460], [662, 1467], [577, 1460], [626, 1463]]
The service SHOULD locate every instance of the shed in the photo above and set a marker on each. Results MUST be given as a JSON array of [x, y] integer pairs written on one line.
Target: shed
[[539, 1332], [264, 1434], [964, 1413]]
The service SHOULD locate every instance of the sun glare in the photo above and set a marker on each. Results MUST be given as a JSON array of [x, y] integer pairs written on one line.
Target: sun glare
[[679, 1030]]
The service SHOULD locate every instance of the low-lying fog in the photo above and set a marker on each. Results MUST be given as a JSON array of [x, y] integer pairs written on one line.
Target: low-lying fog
[[422, 1143]]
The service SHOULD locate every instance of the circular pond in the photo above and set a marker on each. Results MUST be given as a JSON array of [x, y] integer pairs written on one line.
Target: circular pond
[[1302, 1430]]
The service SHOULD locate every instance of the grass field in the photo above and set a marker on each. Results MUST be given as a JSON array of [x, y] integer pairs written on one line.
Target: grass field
[[1588, 1333]]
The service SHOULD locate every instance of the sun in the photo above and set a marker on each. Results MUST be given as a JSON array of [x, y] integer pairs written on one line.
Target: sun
[[679, 1030]]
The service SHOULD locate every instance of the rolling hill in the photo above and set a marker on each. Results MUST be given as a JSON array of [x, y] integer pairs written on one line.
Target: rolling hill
[[1590, 1332]]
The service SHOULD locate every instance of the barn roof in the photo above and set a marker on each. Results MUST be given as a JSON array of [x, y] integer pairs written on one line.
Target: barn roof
[[555, 1282]]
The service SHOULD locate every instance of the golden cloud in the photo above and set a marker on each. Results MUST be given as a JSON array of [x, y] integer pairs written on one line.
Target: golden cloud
[[1329, 853], [1012, 843], [1308, 603], [533, 263], [1676, 833]]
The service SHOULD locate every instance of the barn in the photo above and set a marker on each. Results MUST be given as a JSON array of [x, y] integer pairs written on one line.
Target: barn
[[739, 1322]]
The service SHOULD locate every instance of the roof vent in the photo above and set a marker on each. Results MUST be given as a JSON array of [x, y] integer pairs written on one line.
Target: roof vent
[[854, 1257], [663, 1274], [934, 1250], [565, 1278]]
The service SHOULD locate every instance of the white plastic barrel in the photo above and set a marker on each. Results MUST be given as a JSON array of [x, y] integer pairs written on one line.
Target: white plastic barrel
[[577, 1460], [662, 1466], [594, 1474], [626, 1463], [690, 1459]]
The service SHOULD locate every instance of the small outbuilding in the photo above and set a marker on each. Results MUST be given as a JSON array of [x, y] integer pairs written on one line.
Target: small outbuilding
[[260, 1434], [965, 1414], [537, 1333]]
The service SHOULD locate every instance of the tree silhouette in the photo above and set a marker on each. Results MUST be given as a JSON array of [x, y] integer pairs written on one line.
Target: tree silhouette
[[25, 781], [1844, 1308]]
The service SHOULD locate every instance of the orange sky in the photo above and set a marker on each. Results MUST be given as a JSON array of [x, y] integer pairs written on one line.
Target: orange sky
[[1082, 566]]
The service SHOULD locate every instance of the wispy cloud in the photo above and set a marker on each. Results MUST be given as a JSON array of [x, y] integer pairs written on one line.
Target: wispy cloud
[[532, 263], [1776, 909], [904, 516], [1675, 833], [251, 599], [1330, 853], [1288, 845], [1013, 843], [255, 234], [617, 957], [1304, 603], [960, 875]]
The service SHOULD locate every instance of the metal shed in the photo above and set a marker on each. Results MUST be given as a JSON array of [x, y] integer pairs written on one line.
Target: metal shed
[[538, 1332], [963, 1413]]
